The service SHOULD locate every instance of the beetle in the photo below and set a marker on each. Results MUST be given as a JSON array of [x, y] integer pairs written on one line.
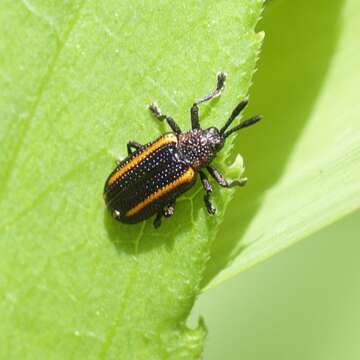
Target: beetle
[[149, 180]]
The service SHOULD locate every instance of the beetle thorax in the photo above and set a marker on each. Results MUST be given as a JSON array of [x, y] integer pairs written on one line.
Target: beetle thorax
[[198, 147]]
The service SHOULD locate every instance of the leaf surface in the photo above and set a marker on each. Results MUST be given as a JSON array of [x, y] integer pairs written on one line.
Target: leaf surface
[[76, 78]]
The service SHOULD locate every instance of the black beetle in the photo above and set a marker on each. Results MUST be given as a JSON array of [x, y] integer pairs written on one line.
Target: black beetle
[[150, 179]]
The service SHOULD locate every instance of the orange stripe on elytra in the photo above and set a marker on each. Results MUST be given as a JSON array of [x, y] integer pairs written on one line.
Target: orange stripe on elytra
[[166, 139], [187, 177]]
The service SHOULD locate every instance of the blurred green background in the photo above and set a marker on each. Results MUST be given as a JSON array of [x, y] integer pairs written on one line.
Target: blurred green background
[[303, 160], [303, 304]]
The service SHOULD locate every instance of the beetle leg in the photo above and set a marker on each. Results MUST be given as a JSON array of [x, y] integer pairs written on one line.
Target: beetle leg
[[208, 190], [171, 122], [222, 181], [157, 221], [133, 145], [195, 124], [169, 209]]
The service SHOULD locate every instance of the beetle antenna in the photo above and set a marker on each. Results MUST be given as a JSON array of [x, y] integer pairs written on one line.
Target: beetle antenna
[[234, 114], [245, 123]]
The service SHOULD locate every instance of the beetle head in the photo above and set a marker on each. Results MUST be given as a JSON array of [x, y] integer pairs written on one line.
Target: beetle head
[[214, 139]]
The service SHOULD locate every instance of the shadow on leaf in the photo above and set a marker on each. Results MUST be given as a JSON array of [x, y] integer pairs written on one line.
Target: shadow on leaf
[[300, 43]]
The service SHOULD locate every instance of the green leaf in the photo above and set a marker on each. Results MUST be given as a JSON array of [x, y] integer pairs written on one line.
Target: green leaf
[[76, 77], [305, 167]]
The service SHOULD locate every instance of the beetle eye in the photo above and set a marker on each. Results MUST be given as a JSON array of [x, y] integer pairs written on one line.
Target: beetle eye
[[217, 145]]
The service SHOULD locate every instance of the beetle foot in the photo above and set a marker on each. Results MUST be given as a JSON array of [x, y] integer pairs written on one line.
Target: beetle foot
[[209, 206], [157, 221]]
